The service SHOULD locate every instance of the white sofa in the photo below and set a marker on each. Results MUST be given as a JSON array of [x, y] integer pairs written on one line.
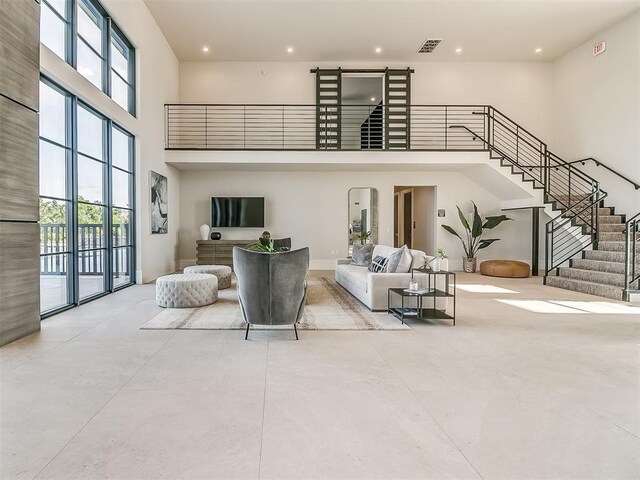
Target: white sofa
[[372, 288]]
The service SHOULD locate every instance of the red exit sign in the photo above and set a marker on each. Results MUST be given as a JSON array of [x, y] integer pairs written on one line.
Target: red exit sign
[[599, 48]]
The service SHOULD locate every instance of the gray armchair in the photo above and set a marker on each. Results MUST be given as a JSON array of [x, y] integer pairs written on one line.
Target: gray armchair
[[271, 286]]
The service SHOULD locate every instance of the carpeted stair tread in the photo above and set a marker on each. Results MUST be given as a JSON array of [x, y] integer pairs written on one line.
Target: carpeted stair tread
[[610, 219], [612, 227], [594, 276], [598, 265], [608, 291], [604, 256]]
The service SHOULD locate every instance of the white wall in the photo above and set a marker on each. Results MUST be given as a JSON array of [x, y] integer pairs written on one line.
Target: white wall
[[597, 109], [157, 84], [312, 208], [522, 91]]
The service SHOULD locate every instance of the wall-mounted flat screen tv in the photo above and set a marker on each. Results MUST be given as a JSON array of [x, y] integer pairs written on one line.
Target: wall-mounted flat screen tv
[[237, 212]]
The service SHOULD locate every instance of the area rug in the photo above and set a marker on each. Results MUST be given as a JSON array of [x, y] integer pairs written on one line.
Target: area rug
[[329, 307]]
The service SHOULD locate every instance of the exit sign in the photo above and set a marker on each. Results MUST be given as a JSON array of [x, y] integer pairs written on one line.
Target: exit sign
[[599, 48]]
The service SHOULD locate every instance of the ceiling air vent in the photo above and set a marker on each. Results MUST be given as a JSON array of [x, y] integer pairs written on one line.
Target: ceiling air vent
[[429, 45]]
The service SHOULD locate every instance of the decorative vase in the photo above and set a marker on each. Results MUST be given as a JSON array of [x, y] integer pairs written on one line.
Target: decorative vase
[[216, 235], [469, 264], [435, 264], [204, 232]]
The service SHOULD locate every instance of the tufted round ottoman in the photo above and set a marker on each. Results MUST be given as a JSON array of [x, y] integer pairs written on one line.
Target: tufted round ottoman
[[221, 271], [505, 268], [186, 290]]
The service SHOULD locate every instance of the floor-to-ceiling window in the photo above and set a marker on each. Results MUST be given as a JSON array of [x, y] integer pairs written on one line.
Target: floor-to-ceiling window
[[84, 35], [86, 206]]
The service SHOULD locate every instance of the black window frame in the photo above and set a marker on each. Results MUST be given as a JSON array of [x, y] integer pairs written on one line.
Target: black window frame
[[73, 250], [108, 30]]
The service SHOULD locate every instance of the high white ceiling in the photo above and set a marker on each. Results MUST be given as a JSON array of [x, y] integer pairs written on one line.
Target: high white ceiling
[[350, 30]]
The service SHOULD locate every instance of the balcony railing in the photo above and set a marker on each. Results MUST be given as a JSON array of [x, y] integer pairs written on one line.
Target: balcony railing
[[91, 254], [314, 127]]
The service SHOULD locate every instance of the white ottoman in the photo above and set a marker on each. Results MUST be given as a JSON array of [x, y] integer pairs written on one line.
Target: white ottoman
[[221, 271], [186, 290]]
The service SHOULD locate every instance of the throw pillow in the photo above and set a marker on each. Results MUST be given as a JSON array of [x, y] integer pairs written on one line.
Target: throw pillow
[[400, 261], [378, 264], [362, 254]]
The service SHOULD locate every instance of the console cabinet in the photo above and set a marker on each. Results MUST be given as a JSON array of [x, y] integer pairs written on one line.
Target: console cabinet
[[218, 252]]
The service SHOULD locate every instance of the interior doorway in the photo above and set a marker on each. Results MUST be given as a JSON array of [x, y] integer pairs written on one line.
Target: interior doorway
[[415, 217]]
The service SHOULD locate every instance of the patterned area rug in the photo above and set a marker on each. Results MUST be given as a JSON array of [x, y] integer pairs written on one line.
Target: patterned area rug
[[329, 307]]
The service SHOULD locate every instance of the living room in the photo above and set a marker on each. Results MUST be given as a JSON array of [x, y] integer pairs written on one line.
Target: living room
[[340, 328]]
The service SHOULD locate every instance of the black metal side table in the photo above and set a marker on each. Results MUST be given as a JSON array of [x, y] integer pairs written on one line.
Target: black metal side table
[[418, 311]]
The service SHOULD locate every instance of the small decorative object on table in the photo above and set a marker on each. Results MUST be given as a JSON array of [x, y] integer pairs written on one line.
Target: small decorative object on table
[[204, 232], [435, 263], [474, 242], [216, 235], [413, 286]]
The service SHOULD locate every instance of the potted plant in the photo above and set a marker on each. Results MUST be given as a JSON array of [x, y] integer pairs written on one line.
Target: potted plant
[[266, 245], [265, 237], [364, 236], [436, 262], [474, 240]]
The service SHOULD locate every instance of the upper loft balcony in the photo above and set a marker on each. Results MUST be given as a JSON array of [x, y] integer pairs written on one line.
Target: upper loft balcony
[[380, 127]]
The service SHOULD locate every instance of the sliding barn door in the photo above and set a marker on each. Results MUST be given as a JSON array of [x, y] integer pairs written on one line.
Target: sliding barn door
[[328, 109], [398, 108]]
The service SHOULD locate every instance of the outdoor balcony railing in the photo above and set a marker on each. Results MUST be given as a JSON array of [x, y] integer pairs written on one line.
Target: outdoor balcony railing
[[91, 252], [321, 127]]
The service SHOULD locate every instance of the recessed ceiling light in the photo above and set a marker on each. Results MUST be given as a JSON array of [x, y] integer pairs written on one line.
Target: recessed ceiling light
[[378, 50], [289, 49], [373, 99], [458, 50], [205, 49], [538, 50]]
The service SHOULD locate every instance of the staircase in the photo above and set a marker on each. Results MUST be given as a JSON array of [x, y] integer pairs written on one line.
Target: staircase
[[590, 248], [601, 270]]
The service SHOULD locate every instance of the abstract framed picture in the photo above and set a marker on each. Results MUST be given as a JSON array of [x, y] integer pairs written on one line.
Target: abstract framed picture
[[159, 203]]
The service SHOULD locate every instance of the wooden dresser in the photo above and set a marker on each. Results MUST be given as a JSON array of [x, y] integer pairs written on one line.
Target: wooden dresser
[[218, 252]]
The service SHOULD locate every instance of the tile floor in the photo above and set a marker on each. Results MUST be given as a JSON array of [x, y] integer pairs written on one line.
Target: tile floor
[[533, 382]]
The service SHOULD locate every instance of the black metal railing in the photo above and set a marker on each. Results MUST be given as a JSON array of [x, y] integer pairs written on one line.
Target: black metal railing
[[428, 128], [91, 249], [314, 127], [632, 255]]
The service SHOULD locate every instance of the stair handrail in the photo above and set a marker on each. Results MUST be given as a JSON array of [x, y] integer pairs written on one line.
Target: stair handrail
[[631, 244], [606, 167]]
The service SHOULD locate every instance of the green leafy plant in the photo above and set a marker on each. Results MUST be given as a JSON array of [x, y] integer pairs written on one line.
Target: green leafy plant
[[441, 254], [267, 246], [364, 236], [474, 240]]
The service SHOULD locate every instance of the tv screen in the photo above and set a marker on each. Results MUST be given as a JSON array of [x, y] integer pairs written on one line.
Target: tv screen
[[238, 212]]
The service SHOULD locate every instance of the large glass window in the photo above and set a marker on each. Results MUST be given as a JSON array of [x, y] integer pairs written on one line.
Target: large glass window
[[55, 26], [81, 33], [87, 243], [56, 205]]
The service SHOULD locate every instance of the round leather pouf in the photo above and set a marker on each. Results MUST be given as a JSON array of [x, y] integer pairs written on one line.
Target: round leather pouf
[[186, 290], [505, 268], [221, 271]]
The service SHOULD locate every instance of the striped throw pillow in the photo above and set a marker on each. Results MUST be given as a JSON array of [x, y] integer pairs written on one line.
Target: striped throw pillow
[[378, 264]]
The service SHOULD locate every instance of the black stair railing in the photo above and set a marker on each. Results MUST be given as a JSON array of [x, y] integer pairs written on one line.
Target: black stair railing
[[574, 193], [432, 128], [632, 256]]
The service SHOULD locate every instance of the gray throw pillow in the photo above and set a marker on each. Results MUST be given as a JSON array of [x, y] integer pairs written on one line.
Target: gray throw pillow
[[395, 259], [361, 254]]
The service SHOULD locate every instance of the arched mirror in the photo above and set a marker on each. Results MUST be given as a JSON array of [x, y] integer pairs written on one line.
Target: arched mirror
[[363, 216]]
